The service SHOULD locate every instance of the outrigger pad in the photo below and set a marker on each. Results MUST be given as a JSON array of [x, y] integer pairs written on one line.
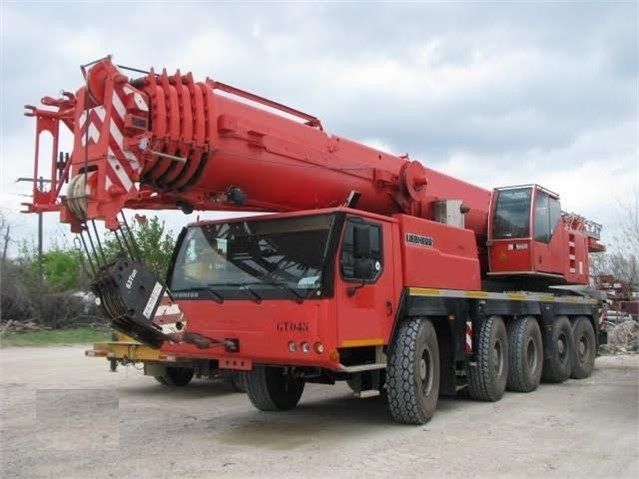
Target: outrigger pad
[[130, 294]]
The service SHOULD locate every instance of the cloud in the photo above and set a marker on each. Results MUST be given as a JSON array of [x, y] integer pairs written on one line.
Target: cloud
[[495, 93]]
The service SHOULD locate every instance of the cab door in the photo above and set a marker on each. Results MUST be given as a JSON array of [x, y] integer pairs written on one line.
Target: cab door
[[547, 238], [364, 287]]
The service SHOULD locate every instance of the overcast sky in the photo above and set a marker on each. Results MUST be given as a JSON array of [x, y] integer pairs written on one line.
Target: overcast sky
[[495, 93]]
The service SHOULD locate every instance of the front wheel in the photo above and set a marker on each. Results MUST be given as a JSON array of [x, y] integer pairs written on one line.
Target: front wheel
[[238, 381], [176, 377], [273, 389], [412, 377]]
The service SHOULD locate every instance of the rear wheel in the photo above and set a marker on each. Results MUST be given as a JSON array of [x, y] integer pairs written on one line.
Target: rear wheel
[[558, 367], [412, 378], [487, 377], [176, 377], [525, 355], [585, 345], [272, 389]]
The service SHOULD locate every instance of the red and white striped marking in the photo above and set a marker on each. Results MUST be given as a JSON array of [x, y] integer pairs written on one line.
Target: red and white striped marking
[[468, 347], [602, 316], [170, 319], [123, 166]]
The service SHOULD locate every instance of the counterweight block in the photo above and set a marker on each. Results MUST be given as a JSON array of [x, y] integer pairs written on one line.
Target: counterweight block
[[130, 294]]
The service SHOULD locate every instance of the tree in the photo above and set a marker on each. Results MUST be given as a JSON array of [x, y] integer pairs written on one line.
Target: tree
[[622, 257], [5, 234], [64, 270], [151, 240]]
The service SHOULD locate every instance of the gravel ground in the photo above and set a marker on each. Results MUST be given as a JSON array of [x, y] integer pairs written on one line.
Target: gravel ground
[[65, 416]]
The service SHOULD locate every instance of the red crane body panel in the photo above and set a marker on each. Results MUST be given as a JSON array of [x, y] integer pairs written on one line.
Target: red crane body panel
[[167, 142], [437, 255]]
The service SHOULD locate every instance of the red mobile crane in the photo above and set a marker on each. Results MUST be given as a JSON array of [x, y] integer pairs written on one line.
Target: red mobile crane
[[374, 268]]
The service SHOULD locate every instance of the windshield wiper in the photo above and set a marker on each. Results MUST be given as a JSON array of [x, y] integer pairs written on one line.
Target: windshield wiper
[[243, 287], [295, 296], [218, 298], [298, 298]]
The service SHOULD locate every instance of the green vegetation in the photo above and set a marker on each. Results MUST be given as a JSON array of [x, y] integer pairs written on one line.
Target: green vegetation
[[153, 242], [55, 337], [50, 300], [65, 268]]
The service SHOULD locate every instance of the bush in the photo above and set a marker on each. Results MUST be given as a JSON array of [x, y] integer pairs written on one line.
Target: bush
[[16, 294], [24, 299], [53, 300]]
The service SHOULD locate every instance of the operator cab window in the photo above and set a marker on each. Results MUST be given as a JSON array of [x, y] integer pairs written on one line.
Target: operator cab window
[[547, 215], [555, 214], [542, 219], [348, 256], [512, 214]]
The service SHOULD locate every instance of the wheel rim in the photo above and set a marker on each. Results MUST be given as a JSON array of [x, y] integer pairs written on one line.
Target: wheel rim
[[498, 358], [531, 356], [562, 346], [426, 372], [582, 347]]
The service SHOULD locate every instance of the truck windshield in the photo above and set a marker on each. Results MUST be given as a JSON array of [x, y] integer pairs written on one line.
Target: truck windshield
[[259, 258]]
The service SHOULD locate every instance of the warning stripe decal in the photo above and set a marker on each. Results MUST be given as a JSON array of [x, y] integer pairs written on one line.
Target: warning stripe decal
[[543, 297], [122, 166], [468, 346]]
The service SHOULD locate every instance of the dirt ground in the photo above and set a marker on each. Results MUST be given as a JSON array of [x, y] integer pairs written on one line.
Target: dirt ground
[[65, 416]]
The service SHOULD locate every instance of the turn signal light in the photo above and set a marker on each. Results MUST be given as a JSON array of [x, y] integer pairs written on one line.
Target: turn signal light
[[319, 348], [333, 355]]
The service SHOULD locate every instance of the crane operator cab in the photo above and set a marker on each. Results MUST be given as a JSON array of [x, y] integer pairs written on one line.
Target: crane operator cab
[[204, 263], [528, 235]]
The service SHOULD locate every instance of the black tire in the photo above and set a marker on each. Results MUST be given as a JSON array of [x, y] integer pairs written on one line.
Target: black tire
[[585, 348], [488, 375], [525, 355], [238, 381], [558, 367], [412, 377], [161, 380], [366, 382], [270, 389], [176, 377]]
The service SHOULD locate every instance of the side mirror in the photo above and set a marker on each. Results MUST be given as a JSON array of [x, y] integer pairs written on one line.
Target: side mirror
[[362, 242], [364, 268]]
